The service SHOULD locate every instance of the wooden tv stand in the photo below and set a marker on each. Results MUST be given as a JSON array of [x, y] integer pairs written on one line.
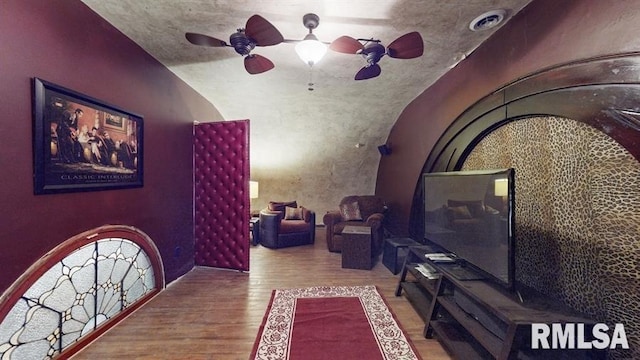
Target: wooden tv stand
[[476, 319]]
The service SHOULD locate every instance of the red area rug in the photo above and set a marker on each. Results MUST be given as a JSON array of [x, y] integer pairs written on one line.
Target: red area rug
[[336, 322]]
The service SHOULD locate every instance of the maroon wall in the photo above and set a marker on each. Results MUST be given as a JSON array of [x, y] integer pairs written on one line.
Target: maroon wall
[[64, 42], [545, 33]]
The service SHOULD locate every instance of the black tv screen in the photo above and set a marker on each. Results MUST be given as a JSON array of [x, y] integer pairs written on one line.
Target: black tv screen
[[472, 215]]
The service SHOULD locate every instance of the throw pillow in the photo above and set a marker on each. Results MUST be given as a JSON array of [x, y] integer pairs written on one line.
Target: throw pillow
[[291, 213], [280, 205], [461, 212], [475, 207], [350, 211]]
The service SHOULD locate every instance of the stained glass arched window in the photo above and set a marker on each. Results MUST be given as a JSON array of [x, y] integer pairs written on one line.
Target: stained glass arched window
[[78, 290]]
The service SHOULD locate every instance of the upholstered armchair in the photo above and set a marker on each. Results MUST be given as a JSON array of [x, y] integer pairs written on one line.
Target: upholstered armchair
[[363, 210], [284, 224]]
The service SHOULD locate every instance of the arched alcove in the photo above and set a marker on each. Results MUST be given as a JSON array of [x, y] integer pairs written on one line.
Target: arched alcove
[[77, 291], [577, 191], [572, 133]]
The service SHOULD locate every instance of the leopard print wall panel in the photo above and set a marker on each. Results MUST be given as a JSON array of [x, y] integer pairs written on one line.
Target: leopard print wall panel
[[577, 224]]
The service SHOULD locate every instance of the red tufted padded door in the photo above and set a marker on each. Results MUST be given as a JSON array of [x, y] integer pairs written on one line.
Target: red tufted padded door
[[221, 169]]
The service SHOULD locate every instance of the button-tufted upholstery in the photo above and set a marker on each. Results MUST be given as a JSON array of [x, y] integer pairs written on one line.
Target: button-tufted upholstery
[[221, 152], [372, 209], [278, 232]]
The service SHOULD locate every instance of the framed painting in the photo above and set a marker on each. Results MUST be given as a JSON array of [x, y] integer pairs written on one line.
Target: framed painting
[[83, 144]]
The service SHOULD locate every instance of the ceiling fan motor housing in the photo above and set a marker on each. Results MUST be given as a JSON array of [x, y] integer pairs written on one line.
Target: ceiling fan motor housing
[[242, 43], [311, 21], [373, 52]]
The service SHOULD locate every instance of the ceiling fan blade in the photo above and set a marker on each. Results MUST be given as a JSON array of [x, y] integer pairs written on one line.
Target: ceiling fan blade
[[204, 40], [256, 64], [368, 72], [262, 31], [346, 44], [407, 46]]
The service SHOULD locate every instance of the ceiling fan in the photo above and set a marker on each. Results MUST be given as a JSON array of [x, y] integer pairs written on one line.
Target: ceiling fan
[[257, 32], [407, 46]]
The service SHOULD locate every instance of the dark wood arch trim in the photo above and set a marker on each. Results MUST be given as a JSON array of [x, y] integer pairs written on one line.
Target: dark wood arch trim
[[603, 92]]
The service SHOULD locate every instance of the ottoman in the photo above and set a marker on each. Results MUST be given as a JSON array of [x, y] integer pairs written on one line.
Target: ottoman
[[356, 248]]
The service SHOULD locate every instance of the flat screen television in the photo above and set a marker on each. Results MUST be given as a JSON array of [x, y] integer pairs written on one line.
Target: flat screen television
[[471, 214]]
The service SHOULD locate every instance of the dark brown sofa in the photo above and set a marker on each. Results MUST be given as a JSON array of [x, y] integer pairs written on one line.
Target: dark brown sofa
[[371, 209], [284, 224]]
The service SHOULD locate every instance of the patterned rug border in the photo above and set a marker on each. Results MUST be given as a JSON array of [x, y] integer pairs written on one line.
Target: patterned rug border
[[274, 335]]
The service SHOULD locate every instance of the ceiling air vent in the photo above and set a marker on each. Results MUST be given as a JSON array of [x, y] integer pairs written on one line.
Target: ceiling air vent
[[487, 20]]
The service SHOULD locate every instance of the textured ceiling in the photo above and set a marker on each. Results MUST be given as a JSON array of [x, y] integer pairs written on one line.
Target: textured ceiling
[[313, 146]]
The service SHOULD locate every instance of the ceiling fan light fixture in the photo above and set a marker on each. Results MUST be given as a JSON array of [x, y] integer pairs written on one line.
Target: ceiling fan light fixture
[[311, 50]]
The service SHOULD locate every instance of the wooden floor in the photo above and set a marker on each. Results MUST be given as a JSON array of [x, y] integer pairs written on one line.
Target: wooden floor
[[215, 314]]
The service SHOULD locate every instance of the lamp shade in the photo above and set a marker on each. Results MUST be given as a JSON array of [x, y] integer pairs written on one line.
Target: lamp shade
[[311, 50], [501, 187], [253, 189]]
